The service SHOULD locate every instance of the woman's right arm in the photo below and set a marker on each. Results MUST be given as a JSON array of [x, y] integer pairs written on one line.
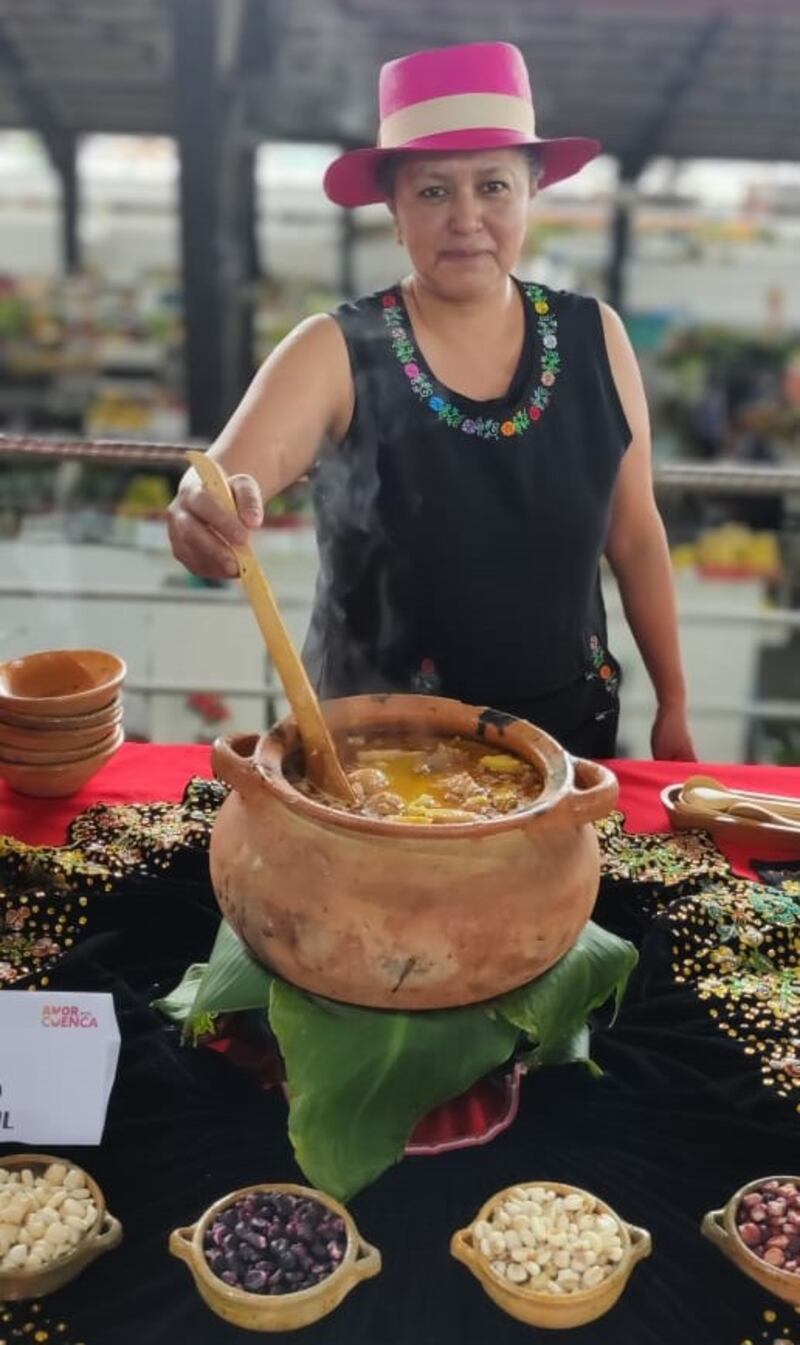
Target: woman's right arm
[[302, 394]]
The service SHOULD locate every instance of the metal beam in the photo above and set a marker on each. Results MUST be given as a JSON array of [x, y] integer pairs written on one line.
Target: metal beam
[[217, 201], [59, 142], [70, 207], [649, 137], [198, 123]]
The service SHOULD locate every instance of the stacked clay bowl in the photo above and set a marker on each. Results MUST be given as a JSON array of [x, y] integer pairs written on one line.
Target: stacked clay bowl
[[60, 719]]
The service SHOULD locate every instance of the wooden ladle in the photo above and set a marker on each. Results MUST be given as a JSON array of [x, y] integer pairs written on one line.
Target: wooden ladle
[[707, 795], [323, 766]]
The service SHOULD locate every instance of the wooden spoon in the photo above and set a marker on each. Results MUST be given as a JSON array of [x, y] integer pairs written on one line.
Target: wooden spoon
[[728, 802], [323, 766], [777, 802]]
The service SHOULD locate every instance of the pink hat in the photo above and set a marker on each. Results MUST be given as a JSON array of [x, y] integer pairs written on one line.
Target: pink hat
[[454, 98]]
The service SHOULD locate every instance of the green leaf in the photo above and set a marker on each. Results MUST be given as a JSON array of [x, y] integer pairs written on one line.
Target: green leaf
[[178, 1004], [554, 1007], [230, 982], [360, 1079]]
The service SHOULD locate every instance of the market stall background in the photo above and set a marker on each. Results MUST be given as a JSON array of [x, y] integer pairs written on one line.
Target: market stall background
[[134, 302]]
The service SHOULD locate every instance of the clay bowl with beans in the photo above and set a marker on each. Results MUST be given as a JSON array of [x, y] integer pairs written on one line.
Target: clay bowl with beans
[[759, 1230], [53, 1223], [275, 1257], [550, 1254]]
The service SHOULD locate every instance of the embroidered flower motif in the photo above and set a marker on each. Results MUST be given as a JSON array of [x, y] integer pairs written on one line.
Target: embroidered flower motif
[[600, 662], [16, 917], [549, 367]]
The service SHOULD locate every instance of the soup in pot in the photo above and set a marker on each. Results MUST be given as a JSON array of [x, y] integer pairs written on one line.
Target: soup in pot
[[433, 780]]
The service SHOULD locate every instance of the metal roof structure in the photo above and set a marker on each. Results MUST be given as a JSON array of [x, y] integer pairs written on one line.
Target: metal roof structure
[[683, 78]]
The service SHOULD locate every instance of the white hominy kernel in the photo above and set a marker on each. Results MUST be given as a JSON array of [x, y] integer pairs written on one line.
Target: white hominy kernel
[[497, 1243], [516, 1274], [512, 1239], [561, 1259], [543, 1255], [615, 1254], [55, 1174], [482, 1230], [534, 1269], [537, 1193], [606, 1223], [27, 1177], [80, 1192], [73, 1179], [49, 1216], [74, 1222], [539, 1228], [17, 1256], [569, 1278], [512, 1207], [520, 1223], [578, 1263], [554, 1287], [57, 1198], [519, 1254], [590, 1258], [573, 1202], [72, 1207], [486, 1247], [519, 1193], [499, 1267], [593, 1241], [556, 1239], [503, 1219], [56, 1235], [526, 1237], [593, 1276]]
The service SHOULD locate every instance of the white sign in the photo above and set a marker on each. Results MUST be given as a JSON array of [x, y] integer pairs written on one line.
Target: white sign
[[58, 1058]]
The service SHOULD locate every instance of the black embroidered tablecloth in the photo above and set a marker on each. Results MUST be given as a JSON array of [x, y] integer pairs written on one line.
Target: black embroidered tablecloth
[[700, 1093]]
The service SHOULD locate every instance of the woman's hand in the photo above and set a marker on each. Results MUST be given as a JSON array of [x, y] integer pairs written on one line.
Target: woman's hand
[[201, 532], [671, 738]]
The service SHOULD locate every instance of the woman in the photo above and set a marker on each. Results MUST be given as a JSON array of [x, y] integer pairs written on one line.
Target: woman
[[476, 443]]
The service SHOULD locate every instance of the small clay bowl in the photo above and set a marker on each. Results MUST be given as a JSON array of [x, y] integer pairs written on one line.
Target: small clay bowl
[[103, 718], [719, 1226], [60, 681], [59, 780], [544, 1309], [105, 1233], [47, 754], [45, 740], [279, 1312]]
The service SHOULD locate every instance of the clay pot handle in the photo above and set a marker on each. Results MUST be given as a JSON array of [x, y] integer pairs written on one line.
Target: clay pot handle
[[713, 1228], [110, 1234], [181, 1244], [233, 762], [461, 1247], [367, 1262], [595, 792], [641, 1242]]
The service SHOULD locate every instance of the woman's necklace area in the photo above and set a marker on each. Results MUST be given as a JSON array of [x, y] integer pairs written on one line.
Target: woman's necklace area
[[436, 398]]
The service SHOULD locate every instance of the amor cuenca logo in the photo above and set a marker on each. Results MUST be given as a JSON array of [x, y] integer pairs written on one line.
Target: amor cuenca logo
[[67, 1015]]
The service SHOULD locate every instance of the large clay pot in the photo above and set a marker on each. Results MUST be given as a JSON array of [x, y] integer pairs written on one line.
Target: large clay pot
[[404, 916]]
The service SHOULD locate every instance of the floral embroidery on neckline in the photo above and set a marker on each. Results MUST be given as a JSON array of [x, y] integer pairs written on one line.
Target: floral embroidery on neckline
[[435, 397]]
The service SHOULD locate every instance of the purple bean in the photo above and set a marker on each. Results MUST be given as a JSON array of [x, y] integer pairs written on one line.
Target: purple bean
[[230, 1277], [255, 1281]]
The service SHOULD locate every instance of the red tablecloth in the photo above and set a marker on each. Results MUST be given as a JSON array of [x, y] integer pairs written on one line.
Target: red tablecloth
[[143, 773]]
